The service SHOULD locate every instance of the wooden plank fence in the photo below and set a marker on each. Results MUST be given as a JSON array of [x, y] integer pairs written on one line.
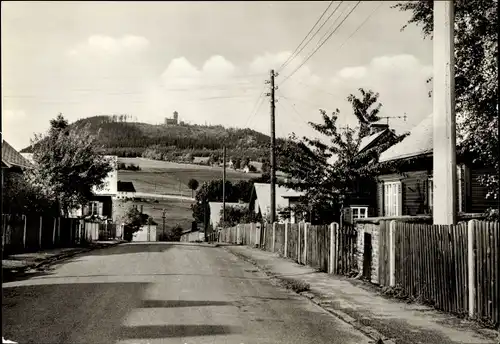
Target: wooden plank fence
[[454, 268], [327, 248], [30, 233]]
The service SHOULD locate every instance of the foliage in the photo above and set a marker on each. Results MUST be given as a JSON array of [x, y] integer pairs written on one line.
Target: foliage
[[176, 233], [476, 71], [236, 215], [67, 165], [193, 184], [252, 168], [329, 185], [246, 162], [212, 192], [266, 167], [237, 163], [133, 221], [131, 167], [20, 196]]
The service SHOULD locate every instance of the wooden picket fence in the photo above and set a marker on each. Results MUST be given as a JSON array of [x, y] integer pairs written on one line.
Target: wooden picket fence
[[21, 233], [454, 268], [301, 242]]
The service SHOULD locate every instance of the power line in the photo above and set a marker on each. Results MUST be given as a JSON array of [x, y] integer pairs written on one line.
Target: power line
[[319, 47], [363, 23], [295, 52], [256, 107], [310, 39], [295, 113]]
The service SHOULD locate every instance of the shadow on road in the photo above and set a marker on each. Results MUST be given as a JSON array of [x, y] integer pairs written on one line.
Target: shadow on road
[[176, 331], [91, 313], [182, 303]]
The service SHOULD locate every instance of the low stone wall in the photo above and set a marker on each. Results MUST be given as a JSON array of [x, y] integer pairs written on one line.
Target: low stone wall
[[371, 225]]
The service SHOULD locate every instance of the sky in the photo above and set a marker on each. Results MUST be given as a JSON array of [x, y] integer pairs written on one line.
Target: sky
[[208, 61]]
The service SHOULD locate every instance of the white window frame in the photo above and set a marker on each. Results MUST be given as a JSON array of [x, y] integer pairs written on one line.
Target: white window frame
[[430, 193], [359, 210], [392, 204]]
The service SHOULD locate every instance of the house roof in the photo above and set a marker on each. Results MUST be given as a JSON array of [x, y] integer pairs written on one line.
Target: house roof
[[263, 193], [367, 140], [216, 207], [11, 157], [419, 142], [126, 186]]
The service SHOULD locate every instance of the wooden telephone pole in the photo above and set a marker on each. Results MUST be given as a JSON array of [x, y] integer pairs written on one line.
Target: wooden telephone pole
[[444, 126], [224, 188], [273, 145]]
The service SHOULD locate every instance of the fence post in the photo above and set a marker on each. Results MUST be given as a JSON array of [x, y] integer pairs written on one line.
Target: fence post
[[298, 244], [286, 239], [305, 243], [54, 232], [40, 233], [59, 229], [333, 248], [274, 235], [471, 266], [392, 253], [24, 231]]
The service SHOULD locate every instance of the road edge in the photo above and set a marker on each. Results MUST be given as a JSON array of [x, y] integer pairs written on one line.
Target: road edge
[[9, 275]]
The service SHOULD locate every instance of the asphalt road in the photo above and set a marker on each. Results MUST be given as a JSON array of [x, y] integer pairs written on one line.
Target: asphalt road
[[162, 293]]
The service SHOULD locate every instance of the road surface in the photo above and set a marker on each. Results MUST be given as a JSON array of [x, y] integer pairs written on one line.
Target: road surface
[[163, 293]]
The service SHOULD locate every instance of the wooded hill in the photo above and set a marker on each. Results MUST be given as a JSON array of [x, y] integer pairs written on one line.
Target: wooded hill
[[132, 139]]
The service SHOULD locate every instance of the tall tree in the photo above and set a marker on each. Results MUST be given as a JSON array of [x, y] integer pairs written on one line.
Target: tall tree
[[476, 72], [328, 173], [193, 185], [67, 164]]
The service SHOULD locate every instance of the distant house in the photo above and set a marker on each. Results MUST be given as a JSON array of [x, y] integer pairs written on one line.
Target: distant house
[[101, 203], [201, 160], [125, 190], [410, 192], [216, 207], [260, 200]]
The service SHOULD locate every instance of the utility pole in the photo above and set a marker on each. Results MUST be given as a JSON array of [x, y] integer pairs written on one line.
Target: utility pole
[[163, 217], [224, 188], [273, 145], [444, 126]]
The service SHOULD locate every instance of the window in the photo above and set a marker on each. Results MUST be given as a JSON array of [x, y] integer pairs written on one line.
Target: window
[[430, 192], [94, 208], [391, 198], [359, 212]]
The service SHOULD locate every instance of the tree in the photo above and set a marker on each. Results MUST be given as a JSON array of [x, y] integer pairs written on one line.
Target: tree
[[237, 163], [133, 221], [245, 162], [328, 185], [236, 215], [266, 167], [67, 165], [476, 71], [193, 185]]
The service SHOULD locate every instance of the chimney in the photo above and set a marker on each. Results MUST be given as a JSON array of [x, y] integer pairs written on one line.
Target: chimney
[[378, 127], [142, 208]]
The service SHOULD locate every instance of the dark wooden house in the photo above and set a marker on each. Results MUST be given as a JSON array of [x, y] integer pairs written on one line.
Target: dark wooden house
[[410, 190]]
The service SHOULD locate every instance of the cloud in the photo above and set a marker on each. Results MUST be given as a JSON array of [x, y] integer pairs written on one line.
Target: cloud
[[219, 92], [100, 44], [400, 81]]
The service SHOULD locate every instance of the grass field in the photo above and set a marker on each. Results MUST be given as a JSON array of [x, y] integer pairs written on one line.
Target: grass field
[[163, 177]]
